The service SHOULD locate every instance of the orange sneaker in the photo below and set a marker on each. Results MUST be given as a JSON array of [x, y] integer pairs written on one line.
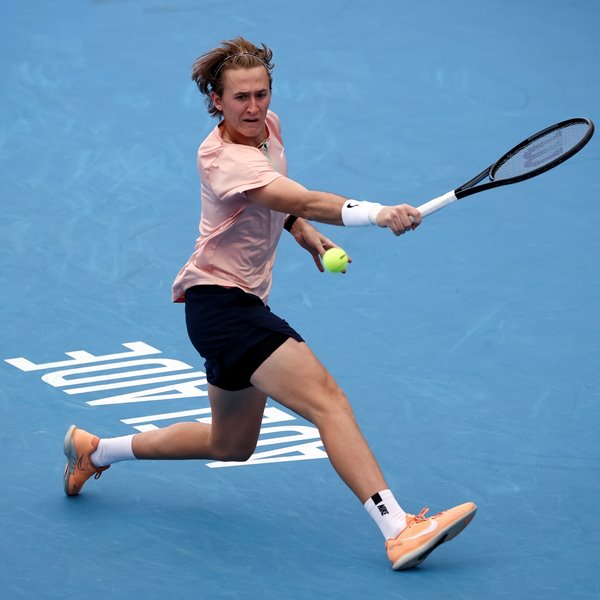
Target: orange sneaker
[[424, 534], [79, 445]]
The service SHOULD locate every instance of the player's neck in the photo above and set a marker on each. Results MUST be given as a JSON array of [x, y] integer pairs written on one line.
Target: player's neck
[[234, 137]]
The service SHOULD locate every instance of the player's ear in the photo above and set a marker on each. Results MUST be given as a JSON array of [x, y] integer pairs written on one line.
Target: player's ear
[[216, 100]]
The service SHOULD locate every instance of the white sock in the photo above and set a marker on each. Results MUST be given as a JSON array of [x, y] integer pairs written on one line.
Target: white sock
[[112, 450], [386, 513]]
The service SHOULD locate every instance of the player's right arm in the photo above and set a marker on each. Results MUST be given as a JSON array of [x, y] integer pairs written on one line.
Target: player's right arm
[[288, 196]]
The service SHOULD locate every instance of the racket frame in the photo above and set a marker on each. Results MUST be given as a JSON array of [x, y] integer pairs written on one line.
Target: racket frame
[[472, 187]]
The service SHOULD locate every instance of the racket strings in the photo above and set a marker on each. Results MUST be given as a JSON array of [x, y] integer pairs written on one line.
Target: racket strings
[[541, 151]]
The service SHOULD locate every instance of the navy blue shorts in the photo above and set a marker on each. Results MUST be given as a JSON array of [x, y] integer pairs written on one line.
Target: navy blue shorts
[[234, 332]]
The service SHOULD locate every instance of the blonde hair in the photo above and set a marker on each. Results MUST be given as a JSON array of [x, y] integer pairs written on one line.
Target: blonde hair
[[238, 53]]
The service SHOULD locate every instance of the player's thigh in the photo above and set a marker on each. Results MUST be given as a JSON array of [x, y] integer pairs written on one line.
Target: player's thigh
[[294, 377], [236, 417]]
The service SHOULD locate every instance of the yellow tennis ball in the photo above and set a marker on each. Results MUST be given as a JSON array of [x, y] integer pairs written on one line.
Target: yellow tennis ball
[[335, 260]]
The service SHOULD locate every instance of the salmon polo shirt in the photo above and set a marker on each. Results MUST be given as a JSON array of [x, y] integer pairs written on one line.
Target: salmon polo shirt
[[238, 239]]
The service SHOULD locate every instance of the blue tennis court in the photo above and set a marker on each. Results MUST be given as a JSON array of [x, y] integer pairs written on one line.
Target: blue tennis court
[[470, 349]]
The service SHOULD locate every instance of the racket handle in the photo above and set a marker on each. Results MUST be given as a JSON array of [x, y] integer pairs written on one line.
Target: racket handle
[[437, 203]]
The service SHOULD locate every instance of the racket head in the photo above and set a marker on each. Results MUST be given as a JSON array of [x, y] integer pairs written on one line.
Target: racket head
[[542, 151]]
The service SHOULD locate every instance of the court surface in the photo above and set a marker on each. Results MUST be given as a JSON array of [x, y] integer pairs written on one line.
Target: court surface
[[469, 349]]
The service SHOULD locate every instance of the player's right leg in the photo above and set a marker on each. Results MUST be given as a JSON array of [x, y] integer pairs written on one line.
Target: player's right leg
[[293, 376]]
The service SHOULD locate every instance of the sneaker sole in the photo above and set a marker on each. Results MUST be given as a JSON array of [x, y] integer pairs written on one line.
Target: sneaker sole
[[71, 454], [416, 557]]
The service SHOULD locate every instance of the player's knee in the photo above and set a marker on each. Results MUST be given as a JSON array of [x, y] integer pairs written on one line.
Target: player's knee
[[333, 402], [341, 405], [234, 453]]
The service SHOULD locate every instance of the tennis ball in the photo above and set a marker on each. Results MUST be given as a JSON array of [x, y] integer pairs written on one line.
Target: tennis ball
[[335, 260]]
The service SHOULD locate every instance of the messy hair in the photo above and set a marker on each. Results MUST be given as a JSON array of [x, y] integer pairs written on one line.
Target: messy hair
[[238, 53]]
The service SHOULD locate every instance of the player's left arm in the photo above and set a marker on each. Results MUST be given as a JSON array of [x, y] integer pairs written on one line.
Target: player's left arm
[[311, 239]]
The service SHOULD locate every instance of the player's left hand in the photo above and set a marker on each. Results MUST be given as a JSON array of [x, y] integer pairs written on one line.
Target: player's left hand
[[313, 241]]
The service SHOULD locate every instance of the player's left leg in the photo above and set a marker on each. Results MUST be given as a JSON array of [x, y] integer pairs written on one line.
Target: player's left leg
[[232, 435]]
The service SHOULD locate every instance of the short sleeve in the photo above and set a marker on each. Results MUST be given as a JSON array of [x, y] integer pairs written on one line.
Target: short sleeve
[[238, 169]]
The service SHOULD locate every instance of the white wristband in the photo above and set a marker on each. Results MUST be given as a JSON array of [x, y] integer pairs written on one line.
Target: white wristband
[[357, 213]]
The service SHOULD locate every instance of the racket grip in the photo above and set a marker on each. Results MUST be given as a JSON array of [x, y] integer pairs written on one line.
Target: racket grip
[[437, 203]]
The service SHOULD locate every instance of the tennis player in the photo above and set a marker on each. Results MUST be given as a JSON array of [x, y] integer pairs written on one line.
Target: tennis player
[[249, 352]]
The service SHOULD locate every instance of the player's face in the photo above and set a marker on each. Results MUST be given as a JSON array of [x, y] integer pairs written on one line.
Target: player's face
[[244, 104]]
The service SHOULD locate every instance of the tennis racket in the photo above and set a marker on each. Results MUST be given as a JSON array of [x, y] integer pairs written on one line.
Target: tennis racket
[[533, 156]]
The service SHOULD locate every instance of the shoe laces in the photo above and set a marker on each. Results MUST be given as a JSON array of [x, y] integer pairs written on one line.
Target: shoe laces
[[98, 470], [418, 518]]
